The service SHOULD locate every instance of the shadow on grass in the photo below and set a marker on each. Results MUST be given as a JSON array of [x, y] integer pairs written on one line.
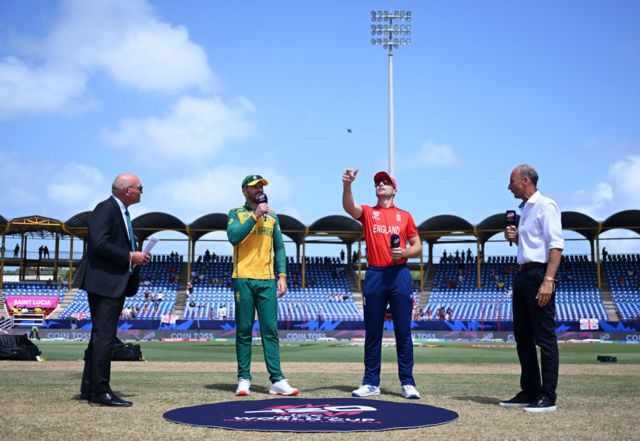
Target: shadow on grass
[[231, 387], [481, 400], [340, 388]]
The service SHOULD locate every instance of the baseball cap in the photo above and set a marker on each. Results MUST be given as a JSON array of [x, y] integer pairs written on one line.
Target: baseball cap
[[252, 180], [384, 176]]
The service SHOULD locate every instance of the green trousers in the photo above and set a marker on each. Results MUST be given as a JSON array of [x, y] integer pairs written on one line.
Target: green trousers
[[260, 295]]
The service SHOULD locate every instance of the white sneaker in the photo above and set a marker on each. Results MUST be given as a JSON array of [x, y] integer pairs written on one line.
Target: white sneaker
[[282, 388], [410, 391], [243, 387], [366, 390]]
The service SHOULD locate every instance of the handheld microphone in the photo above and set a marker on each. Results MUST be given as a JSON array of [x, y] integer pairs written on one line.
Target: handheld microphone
[[395, 241], [510, 218], [263, 199]]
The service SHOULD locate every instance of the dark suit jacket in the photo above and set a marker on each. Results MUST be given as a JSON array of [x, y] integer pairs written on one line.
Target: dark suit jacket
[[107, 260]]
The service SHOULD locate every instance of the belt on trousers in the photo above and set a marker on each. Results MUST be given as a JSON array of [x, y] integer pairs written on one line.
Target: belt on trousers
[[531, 265]]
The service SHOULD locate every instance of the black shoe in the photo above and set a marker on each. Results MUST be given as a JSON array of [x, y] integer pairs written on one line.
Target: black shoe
[[541, 404], [85, 396], [521, 400], [110, 400]]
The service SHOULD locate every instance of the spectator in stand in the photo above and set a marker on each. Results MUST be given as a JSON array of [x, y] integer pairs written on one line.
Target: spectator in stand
[[45, 252], [222, 312], [159, 296], [387, 281], [16, 251], [189, 288], [342, 255], [604, 254], [40, 251]]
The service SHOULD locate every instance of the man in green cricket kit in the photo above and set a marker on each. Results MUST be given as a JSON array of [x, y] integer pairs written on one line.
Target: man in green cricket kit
[[254, 232]]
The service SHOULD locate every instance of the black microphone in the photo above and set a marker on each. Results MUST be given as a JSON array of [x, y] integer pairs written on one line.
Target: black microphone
[[395, 241], [263, 199], [510, 218]]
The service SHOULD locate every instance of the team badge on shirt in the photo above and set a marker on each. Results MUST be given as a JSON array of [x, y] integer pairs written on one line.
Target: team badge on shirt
[[398, 219], [376, 215]]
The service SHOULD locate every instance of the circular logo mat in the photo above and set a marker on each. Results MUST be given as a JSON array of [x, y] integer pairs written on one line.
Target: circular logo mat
[[312, 415]]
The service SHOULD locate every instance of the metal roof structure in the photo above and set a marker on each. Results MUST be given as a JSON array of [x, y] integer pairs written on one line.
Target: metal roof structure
[[344, 228]]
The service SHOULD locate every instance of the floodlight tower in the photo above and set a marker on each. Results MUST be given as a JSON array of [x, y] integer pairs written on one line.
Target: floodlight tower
[[390, 30]]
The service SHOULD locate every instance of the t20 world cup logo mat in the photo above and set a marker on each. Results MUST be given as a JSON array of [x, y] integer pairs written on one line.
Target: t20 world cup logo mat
[[312, 415]]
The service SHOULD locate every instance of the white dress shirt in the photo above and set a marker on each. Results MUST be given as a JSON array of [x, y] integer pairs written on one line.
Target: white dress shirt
[[539, 229]]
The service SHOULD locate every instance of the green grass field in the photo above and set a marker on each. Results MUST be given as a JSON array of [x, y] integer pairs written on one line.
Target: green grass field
[[345, 352], [595, 401]]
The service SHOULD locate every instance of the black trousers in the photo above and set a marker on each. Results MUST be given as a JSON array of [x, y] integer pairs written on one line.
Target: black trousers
[[533, 326], [105, 313]]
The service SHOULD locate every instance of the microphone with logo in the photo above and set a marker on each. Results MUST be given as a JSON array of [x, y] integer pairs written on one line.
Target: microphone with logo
[[395, 241], [263, 199], [510, 218]]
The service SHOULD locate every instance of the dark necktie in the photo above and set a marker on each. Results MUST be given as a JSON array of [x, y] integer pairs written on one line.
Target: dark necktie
[[132, 239]]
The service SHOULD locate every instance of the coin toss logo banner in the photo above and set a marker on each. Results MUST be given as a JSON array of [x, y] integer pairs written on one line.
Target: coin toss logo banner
[[312, 415]]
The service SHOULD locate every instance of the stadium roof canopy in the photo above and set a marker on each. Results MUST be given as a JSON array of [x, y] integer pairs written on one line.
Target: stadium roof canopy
[[78, 225], [34, 226], [489, 227], [207, 224], [342, 227], [435, 227], [292, 228], [149, 223], [581, 224], [626, 220]]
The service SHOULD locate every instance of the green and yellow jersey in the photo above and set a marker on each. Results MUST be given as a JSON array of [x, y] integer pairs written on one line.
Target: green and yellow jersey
[[256, 243]]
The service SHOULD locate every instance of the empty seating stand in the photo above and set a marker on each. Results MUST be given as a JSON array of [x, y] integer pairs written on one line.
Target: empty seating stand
[[455, 287], [623, 272]]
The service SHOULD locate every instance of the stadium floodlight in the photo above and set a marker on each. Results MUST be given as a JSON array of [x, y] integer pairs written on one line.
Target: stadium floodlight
[[396, 30]]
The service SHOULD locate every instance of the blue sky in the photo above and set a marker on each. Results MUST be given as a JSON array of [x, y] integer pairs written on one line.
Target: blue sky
[[194, 95]]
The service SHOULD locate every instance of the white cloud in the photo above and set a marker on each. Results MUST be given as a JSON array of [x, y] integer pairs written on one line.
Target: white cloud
[[432, 154], [592, 202], [619, 192], [26, 90], [120, 38], [625, 175], [77, 185], [45, 188], [194, 128], [214, 191]]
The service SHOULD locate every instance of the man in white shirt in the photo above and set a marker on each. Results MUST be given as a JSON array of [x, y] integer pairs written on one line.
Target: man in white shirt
[[540, 244]]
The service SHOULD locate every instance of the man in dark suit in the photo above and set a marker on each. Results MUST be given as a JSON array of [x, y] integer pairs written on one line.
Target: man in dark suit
[[112, 268]]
